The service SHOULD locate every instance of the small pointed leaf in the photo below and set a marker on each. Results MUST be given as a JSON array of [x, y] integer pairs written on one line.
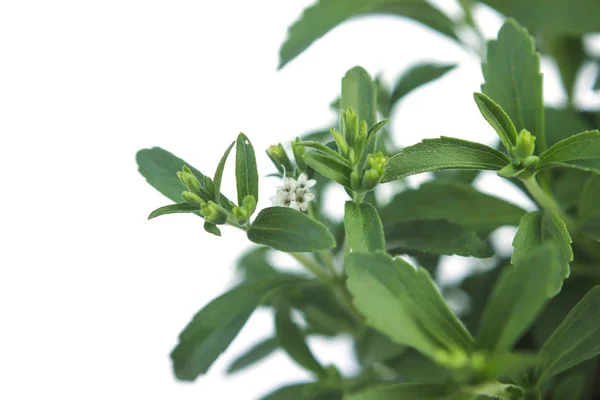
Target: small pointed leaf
[[246, 172], [329, 167], [581, 151], [174, 209], [256, 353], [415, 77], [219, 172], [498, 119]]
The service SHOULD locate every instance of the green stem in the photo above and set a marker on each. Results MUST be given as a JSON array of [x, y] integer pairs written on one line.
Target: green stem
[[313, 267], [546, 201]]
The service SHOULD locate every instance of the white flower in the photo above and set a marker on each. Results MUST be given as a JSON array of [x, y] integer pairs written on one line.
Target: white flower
[[294, 194]]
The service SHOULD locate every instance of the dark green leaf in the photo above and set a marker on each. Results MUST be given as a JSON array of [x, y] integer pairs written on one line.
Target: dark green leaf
[[329, 167], [359, 92], [293, 342], [562, 123], [513, 79], [570, 387], [581, 151], [434, 236], [404, 303], [328, 151], [543, 227], [219, 172], [589, 202], [255, 354], [597, 83], [246, 172], [562, 17], [569, 54], [372, 347], [498, 119], [575, 340], [412, 391], [415, 77], [286, 229], [212, 228], [443, 153], [412, 366], [213, 328], [255, 265], [325, 15], [363, 227], [173, 209], [520, 293], [305, 391], [455, 202]]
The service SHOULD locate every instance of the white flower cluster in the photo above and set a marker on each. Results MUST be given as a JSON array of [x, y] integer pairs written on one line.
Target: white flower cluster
[[295, 193]]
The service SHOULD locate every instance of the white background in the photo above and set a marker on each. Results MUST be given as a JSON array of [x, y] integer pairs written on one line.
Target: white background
[[92, 295]]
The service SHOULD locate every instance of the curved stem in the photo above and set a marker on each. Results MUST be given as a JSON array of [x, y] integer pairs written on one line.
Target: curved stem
[[546, 201], [313, 267]]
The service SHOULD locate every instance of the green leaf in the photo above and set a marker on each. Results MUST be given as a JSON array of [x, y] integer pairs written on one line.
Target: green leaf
[[412, 366], [443, 153], [305, 391], [256, 353], [246, 172], [455, 202], [363, 227], [289, 230], [520, 293], [498, 119], [325, 15], [411, 391], [575, 340], [254, 264], [212, 228], [569, 54], [219, 172], [513, 79], [214, 327], [434, 236], [415, 77], [404, 303], [293, 342], [564, 17], [543, 227], [359, 92], [571, 387], [581, 151], [173, 209], [562, 123], [373, 347], [589, 202], [327, 151], [329, 167]]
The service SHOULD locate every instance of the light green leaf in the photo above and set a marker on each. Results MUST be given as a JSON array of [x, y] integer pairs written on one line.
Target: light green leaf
[[363, 227], [173, 209], [443, 153], [359, 92], [455, 202], [329, 167], [373, 347], [219, 172], [293, 342], [412, 391], [327, 151], [246, 172], [520, 293], [256, 353], [434, 236], [564, 17], [404, 303], [581, 151], [417, 76], [498, 119], [575, 340], [213, 328], [562, 123], [513, 79], [412, 366], [286, 229], [325, 15], [543, 227]]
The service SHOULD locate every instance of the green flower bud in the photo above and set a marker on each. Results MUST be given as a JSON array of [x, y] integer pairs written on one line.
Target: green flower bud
[[377, 161], [531, 161], [241, 215], [363, 130], [352, 156], [370, 180], [188, 178], [279, 157], [249, 204], [340, 141], [350, 126], [299, 151], [214, 213], [454, 359], [355, 181], [524, 147], [192, 199]]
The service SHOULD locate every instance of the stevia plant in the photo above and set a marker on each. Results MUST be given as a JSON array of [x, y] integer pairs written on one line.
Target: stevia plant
[[531, 329]]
